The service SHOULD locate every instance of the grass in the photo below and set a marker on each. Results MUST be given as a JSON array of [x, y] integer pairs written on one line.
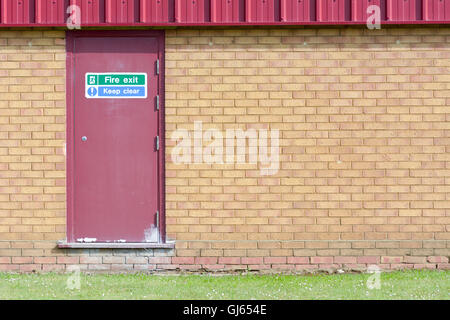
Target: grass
[[396, 285]]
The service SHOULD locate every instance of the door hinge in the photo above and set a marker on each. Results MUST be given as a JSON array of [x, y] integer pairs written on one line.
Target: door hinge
[[157, 66], [157, 143], [157, 102], [157, 219]]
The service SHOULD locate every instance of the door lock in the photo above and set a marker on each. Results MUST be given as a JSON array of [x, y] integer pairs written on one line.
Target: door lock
[[83, 138]]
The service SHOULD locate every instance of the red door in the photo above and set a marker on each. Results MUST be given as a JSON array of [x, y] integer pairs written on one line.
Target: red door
[[114, 167]]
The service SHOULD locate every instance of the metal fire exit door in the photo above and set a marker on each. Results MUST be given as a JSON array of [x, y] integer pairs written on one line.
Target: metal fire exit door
[[113, 135]]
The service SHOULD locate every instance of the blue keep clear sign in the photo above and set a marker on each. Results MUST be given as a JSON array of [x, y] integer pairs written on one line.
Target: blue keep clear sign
[[116, 85]]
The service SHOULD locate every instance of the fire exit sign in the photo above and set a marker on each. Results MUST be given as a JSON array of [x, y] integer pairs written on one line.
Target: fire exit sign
[[116, 85]]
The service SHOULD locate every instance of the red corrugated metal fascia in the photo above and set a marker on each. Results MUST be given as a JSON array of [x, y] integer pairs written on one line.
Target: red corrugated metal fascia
[[404, 10], [51, 11], [434, 10], [260, 10], [152, 11], [121, 11], [295, 10], [17, 11], [90, 10], [229, 24], [332, 10], [164, 13], [190, 11], [225, 10]]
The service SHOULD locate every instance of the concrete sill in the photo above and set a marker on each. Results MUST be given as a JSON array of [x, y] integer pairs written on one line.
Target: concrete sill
[[115, 245]]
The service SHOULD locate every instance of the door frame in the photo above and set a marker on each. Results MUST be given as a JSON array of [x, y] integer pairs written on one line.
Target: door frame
[[159, 35]]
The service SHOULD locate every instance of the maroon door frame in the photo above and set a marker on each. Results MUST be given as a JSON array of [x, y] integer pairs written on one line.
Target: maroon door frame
[[70, 37]]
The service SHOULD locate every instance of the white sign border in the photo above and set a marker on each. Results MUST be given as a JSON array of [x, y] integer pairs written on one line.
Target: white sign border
[[86, 86]]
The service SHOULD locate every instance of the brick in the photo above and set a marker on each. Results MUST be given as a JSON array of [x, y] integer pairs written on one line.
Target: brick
[[206, 260], [44, 260], [136, 260], [391, 260], [9, 267], [424, 266], [298, 260], [113, 260], [160, 260], [229, 260], [437, 259], [90, 260], [190, 267], [415, 260], [253, 260], [275, 260], [321, 260], [30, 267], [68, 260], [368, 259], [183, 260], [22, 260], [5, 260], [345, 260]]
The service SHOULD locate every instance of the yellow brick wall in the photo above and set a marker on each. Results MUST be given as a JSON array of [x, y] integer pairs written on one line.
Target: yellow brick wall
[[364, 140], [32, 129], [364, 151]]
